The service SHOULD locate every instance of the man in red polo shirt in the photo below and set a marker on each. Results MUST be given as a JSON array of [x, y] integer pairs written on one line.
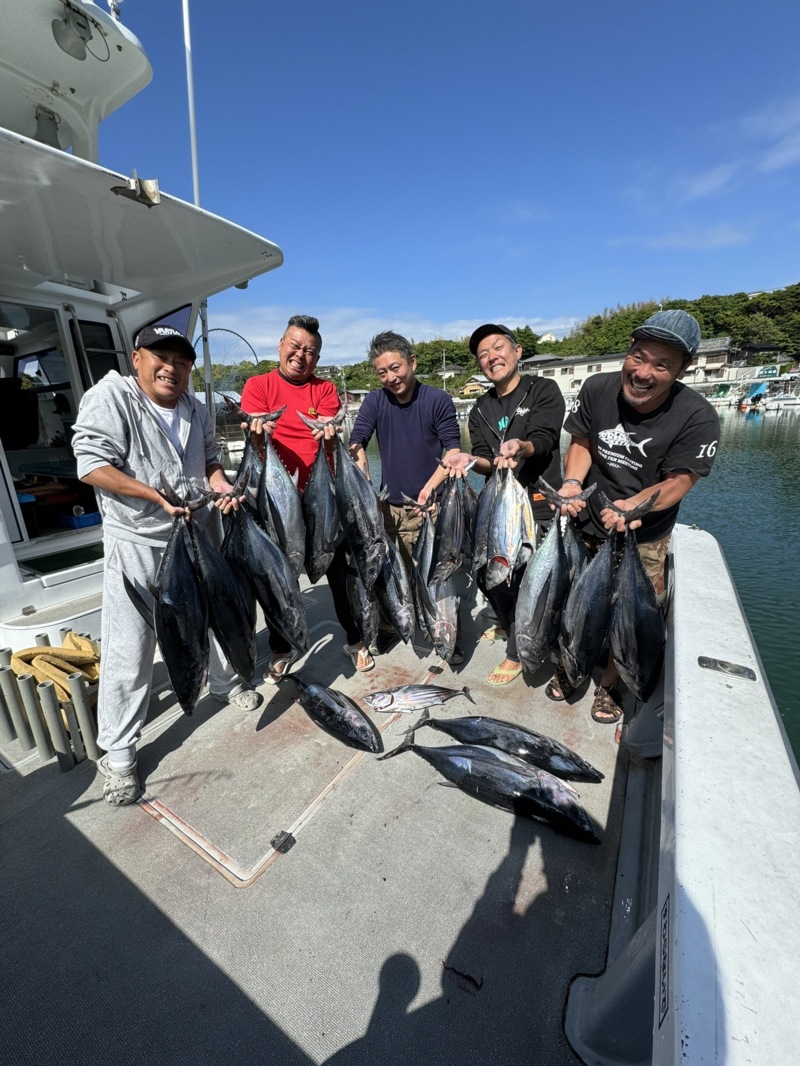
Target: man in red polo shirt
[[294, 383]]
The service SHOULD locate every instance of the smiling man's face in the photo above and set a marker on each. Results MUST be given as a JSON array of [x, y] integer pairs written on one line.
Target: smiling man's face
[[650, 370], [163, 374]]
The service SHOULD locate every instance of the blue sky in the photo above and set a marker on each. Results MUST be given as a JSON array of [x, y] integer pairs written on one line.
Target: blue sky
[[428, 166]]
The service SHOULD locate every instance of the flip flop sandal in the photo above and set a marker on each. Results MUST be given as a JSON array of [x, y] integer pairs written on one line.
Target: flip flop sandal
[[359, 656], [558, 688], [606, 705], [279, 665], [507, 674], [494, 633]]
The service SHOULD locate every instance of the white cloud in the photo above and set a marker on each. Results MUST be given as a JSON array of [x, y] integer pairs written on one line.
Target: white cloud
[[347, 331], [702, 240], [708, 182]]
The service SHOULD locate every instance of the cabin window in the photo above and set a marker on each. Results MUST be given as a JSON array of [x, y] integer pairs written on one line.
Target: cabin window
[[39, 392]]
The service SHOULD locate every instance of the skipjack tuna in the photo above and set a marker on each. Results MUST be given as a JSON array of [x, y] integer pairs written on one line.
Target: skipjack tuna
[[413, 697]]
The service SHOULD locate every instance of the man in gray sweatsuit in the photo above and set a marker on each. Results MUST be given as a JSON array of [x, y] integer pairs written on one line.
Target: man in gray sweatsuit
[[130, 431]]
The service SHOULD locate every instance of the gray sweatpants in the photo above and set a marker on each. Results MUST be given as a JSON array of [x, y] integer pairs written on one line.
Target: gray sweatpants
[[129, 645]]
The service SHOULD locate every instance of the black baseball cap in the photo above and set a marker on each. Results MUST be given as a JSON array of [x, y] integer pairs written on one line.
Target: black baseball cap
[[676, 328], [164, 337], [486, 331]]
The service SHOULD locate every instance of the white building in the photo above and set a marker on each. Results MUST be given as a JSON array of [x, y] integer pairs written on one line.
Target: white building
[[713, 363]]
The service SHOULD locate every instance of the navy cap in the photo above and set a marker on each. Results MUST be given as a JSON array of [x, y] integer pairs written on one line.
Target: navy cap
[[164, 337], [678, 328], [487, 331]]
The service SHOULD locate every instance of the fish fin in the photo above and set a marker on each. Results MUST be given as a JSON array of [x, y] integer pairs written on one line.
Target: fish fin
[[169, 493], [138, 602], [466, 692]]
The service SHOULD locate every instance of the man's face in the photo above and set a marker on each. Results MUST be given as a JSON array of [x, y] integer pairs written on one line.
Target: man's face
[[298, 352], [162, 373], [498, 357], [650, 370], [396, 374]]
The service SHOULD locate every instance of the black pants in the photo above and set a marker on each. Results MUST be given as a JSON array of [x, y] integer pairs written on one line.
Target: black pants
[[337, 582]]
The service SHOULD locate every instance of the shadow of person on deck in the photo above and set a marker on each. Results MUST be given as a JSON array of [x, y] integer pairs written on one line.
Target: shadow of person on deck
[[504, 980]]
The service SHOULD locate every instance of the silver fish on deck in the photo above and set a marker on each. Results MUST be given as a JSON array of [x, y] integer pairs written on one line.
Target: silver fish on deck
[[338, 715], [413, 697]]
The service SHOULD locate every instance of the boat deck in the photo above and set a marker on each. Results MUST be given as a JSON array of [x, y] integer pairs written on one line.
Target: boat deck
[[408, 922]]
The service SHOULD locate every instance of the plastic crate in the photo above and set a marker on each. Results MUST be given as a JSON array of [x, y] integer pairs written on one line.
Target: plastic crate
[[72, 521]]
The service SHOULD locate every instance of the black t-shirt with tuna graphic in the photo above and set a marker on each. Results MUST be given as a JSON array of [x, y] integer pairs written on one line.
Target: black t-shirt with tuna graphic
[[631, 451]]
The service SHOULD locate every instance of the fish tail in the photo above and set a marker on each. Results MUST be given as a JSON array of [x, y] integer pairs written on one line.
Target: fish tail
[[407, 744], [466, 692]]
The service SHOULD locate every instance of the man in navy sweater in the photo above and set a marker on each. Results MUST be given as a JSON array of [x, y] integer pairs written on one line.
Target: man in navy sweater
[[416, 425]]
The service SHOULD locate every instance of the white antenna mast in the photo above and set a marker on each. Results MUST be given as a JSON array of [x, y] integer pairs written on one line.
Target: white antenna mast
[[207, 372]]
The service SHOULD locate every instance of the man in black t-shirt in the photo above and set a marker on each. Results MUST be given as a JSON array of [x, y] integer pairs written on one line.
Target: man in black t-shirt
[[516, 424], [633, 434]]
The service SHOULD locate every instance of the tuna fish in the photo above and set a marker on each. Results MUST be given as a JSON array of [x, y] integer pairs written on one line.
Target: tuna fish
[[360, 513], [413, 697], [363, 606], [586, 618], [323, 527], [541, 597], [480, 534], [279, 505], [437, 604], [179, 616], [506, 782], [510, 540], [339, 716], [247, 546], [637, 622], [538, 750], [231, 603], [448, 536], [393, 590]]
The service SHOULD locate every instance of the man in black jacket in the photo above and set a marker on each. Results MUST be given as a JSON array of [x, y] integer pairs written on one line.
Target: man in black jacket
[[517, 424]]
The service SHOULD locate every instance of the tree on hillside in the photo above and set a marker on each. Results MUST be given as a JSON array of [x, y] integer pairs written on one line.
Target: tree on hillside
[[528, 339]]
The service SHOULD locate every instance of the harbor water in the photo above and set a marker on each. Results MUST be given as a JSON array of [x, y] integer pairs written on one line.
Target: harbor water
[[751, 504]]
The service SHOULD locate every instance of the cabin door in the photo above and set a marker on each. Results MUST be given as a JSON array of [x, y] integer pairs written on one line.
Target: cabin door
[[48, 358]]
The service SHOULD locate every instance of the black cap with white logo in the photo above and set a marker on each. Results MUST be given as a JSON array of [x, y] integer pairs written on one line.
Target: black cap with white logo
[[164, 337]]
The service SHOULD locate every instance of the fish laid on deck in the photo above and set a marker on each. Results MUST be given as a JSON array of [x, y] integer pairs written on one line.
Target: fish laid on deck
[[338, 715], [504, 781], [534, 748], [413, 697]]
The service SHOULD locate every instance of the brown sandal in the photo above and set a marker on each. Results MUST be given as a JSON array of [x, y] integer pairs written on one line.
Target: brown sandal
[[558, 688], [606, 707]]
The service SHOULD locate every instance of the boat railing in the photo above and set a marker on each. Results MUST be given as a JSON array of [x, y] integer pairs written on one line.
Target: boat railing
[[714, 934]]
